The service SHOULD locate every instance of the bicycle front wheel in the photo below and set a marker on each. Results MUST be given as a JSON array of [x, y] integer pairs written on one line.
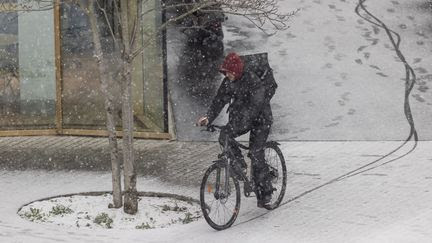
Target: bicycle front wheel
[[219, 197], [276, 162]]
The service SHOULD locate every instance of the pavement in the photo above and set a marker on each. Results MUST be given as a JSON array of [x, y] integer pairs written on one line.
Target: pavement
[[172, 161], [331, 194], [177, 162]]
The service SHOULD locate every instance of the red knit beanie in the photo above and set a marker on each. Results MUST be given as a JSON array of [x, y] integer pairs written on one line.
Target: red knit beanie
[[233, 64]]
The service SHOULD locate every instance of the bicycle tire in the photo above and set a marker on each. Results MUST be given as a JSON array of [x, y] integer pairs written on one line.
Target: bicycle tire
[[274, 146], [208, 193]]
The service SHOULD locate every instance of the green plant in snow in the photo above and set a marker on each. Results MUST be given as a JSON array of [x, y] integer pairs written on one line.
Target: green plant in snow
[[166, 208], [60, 210], [145, 225], [179, 209], [35, 214], [189, 218], [104, 220], [176, 208]]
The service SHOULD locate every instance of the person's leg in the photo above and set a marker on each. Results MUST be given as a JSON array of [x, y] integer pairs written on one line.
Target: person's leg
[[226, 134], [257, 140], [231, 132]]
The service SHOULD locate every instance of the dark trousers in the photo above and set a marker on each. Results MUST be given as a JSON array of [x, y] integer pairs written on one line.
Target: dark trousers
[[259, 132]]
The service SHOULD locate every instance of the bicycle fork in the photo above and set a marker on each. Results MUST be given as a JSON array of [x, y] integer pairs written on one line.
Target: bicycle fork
[[223, 163], [222, 189]]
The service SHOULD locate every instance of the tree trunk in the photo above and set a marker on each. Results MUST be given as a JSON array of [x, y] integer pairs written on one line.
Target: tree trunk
[[109, 107], [130, 196]]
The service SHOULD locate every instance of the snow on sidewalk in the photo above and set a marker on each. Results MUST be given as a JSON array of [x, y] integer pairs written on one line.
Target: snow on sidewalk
[[374, 206], [339, 77]]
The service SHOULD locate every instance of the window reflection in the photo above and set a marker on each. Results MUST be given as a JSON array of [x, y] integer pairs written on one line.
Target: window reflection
[[28, 73], [9, 76], [27, 76], [153, 68], [83, 101]]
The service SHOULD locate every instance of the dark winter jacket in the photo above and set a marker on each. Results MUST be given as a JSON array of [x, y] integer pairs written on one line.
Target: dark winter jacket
[[246, 97]]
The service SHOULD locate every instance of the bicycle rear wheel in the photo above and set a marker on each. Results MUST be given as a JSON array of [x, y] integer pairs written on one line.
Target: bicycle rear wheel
[[276, 162], [220, 204]]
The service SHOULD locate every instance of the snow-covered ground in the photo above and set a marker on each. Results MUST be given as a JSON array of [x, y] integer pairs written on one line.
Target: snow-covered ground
[[339, 78], [91, 211], [391, 203]]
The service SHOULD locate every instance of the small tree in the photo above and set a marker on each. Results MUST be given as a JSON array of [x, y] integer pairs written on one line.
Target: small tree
[[109, 105], [127, 40]]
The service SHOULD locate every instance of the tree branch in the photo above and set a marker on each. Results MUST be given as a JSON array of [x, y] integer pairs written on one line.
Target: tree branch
[[109, 24]]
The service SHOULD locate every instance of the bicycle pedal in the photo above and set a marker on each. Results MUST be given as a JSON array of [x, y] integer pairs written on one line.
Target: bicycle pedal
[[274, 172]]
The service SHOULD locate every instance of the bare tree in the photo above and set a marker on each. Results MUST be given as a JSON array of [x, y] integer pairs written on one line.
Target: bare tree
[[128, 42], [109, 105], [127, 39]]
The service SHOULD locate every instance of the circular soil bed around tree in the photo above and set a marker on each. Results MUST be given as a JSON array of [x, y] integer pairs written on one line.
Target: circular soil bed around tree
[[90, 210]]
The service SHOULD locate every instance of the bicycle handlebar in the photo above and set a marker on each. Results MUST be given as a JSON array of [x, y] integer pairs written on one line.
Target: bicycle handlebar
[[213, 128]]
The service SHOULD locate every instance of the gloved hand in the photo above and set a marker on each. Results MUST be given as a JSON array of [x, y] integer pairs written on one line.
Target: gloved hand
[[202, 121]]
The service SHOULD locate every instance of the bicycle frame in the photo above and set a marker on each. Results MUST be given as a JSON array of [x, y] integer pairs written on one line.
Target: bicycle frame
[[224, 162], [223, 191]]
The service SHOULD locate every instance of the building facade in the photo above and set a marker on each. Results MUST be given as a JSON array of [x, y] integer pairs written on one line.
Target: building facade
[[49, 79]]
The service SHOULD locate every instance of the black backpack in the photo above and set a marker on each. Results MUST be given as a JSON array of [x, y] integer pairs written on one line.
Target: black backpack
[[258, 63]]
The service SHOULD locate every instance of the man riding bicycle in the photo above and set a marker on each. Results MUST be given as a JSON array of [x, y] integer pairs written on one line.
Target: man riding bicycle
[[249, 111]]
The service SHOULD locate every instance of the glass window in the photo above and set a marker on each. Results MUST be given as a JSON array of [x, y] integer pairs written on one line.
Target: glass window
[[83, 102], [153, 66], [27, 70], [82, 99], [28, 74]]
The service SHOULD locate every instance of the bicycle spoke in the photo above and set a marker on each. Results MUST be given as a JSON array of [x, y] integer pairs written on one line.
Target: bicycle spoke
[[217, 210], [276, 163], [219, 198]]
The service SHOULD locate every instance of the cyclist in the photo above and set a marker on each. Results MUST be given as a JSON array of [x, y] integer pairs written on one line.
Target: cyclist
[[249, 111]]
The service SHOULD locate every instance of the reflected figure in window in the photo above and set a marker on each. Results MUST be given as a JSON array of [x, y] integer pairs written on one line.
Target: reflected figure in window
[[9, 91]]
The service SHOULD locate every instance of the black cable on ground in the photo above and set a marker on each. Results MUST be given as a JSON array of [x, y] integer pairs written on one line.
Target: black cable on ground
[[410, 79]]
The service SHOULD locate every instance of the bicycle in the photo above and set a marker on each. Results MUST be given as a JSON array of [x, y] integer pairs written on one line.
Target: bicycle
[[219, 184]]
